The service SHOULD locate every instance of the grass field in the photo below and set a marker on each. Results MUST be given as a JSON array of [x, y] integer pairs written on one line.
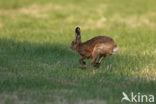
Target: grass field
[[38, 67]]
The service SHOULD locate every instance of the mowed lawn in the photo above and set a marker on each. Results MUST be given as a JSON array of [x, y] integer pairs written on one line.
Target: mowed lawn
[[38, 67]]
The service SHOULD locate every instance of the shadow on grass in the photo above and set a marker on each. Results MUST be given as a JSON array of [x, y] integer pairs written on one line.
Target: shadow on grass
[[43, 53], [36, 66], [24, 64]]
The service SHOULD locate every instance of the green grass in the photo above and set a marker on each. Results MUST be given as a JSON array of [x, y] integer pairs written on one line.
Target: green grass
[[38, 67]]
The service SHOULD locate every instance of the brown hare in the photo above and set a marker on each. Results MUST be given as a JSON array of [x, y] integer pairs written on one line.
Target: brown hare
[[101, 46]]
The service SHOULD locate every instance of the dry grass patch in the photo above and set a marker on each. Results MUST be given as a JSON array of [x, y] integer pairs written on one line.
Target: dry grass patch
[[34, 10], [1, 25], [148, 72], [39, 11], [134, 21], [92, 24]]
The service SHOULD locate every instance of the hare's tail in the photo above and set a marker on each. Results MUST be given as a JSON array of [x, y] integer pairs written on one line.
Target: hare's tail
[[115, 49]]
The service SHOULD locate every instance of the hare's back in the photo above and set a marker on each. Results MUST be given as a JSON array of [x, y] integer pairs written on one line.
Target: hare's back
[[99, 39]]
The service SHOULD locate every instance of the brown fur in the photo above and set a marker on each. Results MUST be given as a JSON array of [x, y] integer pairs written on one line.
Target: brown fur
[[98, 46]]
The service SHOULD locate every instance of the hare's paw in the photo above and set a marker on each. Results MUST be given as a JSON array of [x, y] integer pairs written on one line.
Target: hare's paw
[[97, 65], [83, 62], [84, 66]]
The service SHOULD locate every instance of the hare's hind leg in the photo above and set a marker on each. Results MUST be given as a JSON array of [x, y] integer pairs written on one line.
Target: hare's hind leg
[[100, 60], [94, 57]]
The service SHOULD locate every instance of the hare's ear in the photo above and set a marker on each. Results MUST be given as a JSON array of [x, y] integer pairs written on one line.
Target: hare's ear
[[78, 33]]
